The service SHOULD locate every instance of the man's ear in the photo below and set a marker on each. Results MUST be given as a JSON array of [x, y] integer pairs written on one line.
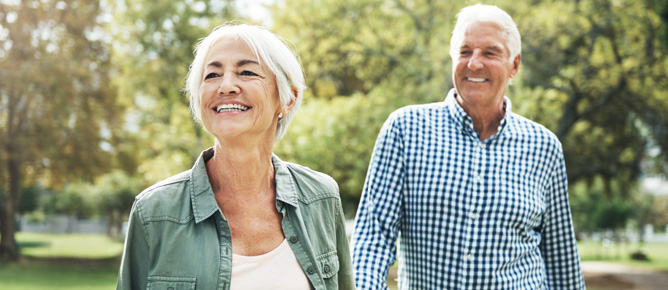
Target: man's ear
[[516, 65]]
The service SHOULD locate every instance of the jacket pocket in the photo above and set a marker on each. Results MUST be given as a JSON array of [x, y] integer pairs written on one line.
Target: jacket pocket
[[171, 283], [329, 264]]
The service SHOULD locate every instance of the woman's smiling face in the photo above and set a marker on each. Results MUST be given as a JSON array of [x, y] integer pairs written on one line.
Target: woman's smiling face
[[239, 95]]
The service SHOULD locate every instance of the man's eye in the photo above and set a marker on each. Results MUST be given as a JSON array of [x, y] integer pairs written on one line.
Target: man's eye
[[465, 52], [211, 75], [248, 73]]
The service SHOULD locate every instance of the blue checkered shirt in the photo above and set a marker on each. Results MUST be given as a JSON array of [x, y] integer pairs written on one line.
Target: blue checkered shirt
[[469, 214]]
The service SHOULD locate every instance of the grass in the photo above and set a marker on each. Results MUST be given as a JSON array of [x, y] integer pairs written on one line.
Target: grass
[[38, 276], [63, 261], [87, 246], [620, 253]]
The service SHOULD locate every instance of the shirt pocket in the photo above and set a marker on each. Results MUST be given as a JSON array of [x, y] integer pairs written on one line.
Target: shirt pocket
[[329, 264], [171, 283]]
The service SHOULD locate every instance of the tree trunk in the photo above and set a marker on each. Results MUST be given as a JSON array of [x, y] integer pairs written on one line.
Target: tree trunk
[[8, 250]]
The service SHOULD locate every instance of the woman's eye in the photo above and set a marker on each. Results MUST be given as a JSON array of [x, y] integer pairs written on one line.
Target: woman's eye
[[211, 75], [248, 73]]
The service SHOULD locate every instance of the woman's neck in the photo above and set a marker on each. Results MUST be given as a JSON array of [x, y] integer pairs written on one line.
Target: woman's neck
[[240, 170]]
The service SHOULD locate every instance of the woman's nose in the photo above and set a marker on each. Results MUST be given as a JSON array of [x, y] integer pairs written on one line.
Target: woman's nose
[[228, 84]]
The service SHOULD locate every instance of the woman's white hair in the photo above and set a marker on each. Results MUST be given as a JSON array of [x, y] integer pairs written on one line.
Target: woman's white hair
[[269, 48], [485, 13]]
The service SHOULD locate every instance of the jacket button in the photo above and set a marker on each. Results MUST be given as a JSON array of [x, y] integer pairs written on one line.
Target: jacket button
[[294, 239], [326, 268], [310, 270]]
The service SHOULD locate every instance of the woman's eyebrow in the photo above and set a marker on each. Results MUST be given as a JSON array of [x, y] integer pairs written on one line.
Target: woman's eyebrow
[[242, 62]]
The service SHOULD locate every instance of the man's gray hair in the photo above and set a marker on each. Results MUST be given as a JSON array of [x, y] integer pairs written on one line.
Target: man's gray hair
[[485, 13], [268, 48]]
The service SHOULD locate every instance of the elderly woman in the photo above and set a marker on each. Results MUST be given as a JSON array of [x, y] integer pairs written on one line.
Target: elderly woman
[[240, 218]]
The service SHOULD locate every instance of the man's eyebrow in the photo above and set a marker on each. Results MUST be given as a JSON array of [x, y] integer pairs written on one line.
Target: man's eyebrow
[[495, 48]]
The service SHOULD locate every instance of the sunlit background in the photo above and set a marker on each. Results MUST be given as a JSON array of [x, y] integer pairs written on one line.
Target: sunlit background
[[92, 111]]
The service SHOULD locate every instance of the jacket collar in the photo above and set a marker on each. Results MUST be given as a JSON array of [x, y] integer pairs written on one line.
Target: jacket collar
[[201, 195]]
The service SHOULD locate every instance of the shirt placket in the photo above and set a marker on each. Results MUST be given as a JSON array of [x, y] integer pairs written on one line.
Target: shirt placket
[[299, 245], [472, 207]]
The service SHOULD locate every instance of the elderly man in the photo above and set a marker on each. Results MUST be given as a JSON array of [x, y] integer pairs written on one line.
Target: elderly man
[[476, 194]]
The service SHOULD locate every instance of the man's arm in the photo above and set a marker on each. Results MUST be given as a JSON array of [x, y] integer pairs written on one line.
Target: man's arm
[[377, 222], [558, 245]]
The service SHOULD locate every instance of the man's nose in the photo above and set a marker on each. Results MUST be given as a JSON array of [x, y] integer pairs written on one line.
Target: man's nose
[[475, 62]]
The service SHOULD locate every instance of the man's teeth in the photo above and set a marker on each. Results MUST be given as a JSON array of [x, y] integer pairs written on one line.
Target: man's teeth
[[476, 80], [231, 107]]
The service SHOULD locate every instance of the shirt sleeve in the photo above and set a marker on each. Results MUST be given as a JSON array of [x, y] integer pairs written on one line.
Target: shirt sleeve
[[134, 265], [558, 246], [379, 213]]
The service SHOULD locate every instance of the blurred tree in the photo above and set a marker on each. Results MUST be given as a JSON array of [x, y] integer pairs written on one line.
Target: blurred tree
[[593, 74], [593, 211], [661, 8], [29, 199], [154, 43], [114, 195], [350, 46], [76, 200], [57, 107]]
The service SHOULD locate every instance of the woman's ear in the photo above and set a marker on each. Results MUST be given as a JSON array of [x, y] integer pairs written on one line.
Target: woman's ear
[[295, 93]]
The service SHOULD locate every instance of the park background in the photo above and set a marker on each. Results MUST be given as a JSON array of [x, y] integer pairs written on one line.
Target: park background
[[92, 111]]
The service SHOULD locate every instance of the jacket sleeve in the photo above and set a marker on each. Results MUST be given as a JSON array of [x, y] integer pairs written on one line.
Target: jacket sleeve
[[133, 273], [345, 274], [379, 213], [558, 246]]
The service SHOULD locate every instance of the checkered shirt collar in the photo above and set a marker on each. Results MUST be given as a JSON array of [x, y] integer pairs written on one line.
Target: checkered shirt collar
[[462, 119]]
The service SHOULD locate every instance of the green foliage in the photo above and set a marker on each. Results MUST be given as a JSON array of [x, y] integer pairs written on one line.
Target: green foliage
[[593, 74], [76, 199], [54, 90], [661, 8], [350, 47], [30, 198], [593, 211], [116, 191]]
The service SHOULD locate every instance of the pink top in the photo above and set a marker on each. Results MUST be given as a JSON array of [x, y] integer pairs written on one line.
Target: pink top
[[277, 269]]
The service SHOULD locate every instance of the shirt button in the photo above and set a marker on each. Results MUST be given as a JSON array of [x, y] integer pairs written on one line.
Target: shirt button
[[326, 268], [310, 270], [469, 257], [294, 239], [478, 178], [481, 145], [473, 215]]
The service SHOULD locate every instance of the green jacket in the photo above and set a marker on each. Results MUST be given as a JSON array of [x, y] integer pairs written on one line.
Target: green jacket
[[179, 239]]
